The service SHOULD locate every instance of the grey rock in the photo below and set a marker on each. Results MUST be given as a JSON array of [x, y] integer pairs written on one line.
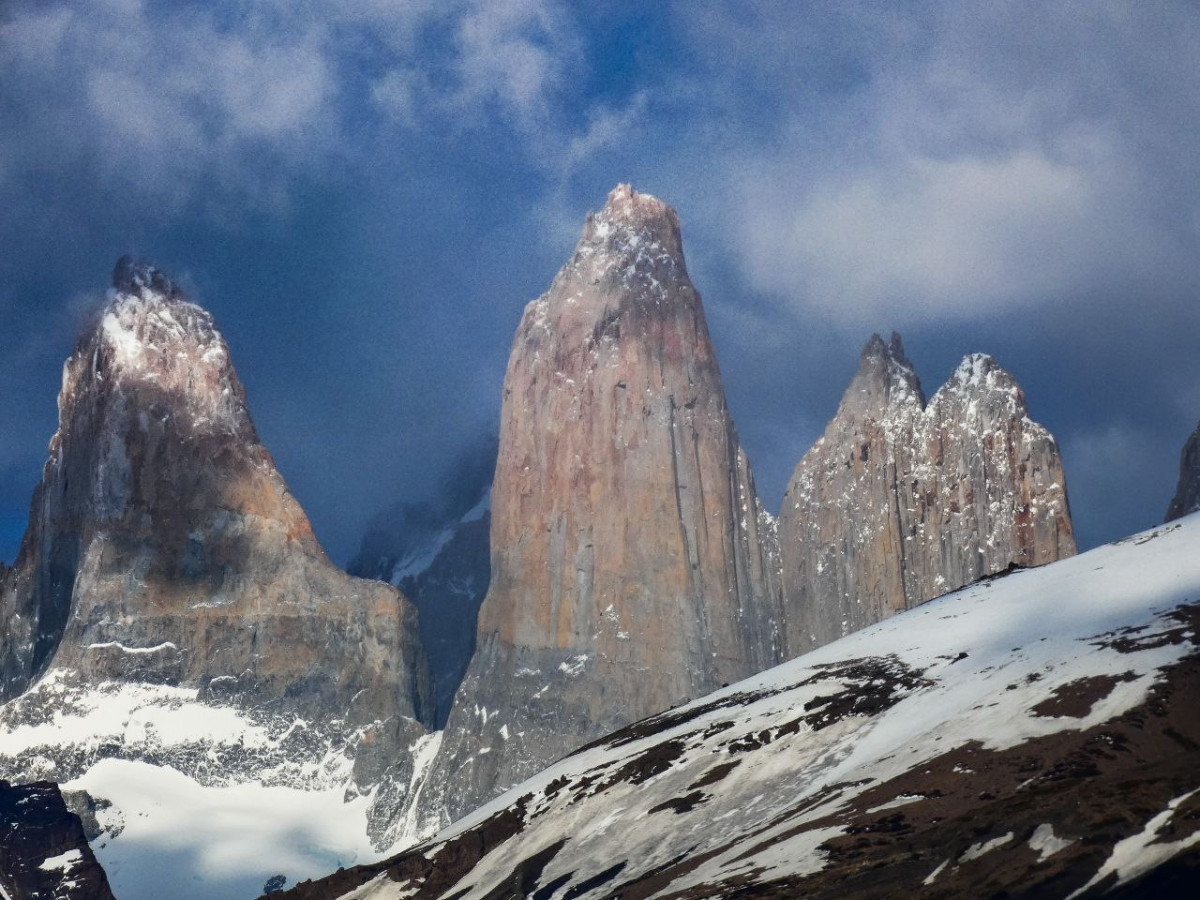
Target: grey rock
[[901, 501], [167, 570], [163, 545], [43, 849], [1187, 495]]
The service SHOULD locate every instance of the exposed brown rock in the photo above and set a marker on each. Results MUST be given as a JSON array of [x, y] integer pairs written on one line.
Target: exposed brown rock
[[631, 559], [164, 546], [1187, 495], [900, 502]]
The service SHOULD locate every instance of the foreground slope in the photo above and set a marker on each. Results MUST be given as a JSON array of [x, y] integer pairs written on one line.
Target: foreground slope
[[1033, 734]]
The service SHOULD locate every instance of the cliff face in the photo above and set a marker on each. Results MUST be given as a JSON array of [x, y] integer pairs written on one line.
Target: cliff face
[[1187, 495], [43, 849], [163, 546], [629, 570], [899, 502]]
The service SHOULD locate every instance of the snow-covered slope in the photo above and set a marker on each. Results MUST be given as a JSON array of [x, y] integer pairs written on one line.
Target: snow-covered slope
[[192, 798], [1034, 734]]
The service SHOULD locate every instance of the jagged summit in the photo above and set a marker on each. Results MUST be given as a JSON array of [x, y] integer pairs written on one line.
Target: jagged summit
[[634, 241], [885, 380], [139, 277], [901, 501], [154, 347], [634, 213], [980, 372]]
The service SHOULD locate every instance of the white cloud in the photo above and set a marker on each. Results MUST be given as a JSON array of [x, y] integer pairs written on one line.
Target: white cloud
[[518, 53], [169, 100], [953, 163], [917, 236]]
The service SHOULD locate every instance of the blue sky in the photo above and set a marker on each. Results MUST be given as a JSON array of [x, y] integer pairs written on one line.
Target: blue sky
[[366, 199]]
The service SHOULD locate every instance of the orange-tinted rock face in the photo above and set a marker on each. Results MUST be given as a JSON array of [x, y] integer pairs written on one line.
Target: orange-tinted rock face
[[900, 502], [163, 545], [629, 570]]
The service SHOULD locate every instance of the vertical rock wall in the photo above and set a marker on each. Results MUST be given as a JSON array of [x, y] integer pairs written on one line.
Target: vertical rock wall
[[632, 564], [164, 546], [1187, 495], [899, 502]]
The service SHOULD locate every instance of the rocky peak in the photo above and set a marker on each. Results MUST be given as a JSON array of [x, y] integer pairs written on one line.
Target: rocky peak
[[152, 354], [137, 277], [164, 546], [884, 383], [1187, 494], [979, 376], [900, 502], [632, 224], [631, 566], [631, 247]]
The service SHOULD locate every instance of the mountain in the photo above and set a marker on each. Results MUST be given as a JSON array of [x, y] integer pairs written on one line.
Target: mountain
[[43, 850], [187, 645], [629, 569], [1031, 735], [901, 501], [437, 552], [1187, 495]]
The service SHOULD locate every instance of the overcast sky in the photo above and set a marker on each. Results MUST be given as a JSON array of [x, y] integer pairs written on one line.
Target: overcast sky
[[366, 200]]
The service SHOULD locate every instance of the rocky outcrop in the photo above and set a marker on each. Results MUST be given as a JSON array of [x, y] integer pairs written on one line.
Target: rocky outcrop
[[1187, 495], [901, 501], [436, 551], [629, 571], [43, 849], [164, 547]]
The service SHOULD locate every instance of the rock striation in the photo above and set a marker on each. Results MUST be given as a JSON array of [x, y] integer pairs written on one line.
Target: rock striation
[[43, 849], [164, 547], [901, 501], [1187, 495], [632, 566]]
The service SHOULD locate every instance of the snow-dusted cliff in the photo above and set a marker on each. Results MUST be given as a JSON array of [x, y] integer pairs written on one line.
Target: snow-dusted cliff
[[1187, 494], [178, 626], [901, 501], [628, 573]]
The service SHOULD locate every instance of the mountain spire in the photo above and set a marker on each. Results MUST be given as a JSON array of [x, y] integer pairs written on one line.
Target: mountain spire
[[900, 501], [164, 546], [632, 565]]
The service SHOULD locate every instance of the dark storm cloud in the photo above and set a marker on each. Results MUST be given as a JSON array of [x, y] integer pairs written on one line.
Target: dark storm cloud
[[367, 194]]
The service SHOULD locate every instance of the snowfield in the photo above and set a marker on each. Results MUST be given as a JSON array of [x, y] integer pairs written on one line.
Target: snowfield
[[1033, 729], [193, 800]]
